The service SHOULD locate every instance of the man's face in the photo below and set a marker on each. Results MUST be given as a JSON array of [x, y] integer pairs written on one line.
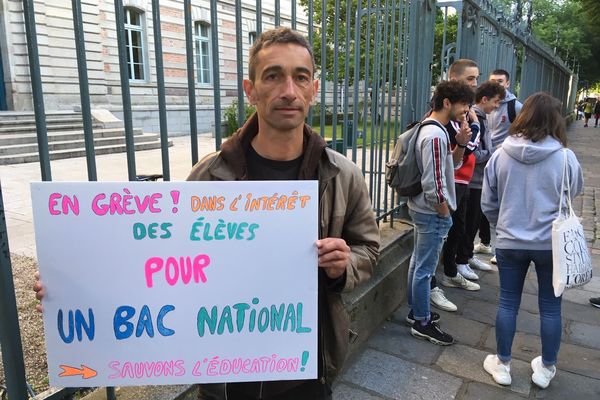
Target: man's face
[[458, 111], [283, 88], [489, 105], [469, 76], [501, 80]]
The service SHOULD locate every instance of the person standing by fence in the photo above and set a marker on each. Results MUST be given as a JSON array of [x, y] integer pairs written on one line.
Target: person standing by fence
[[276, 144], [430, 210], [520, 197]]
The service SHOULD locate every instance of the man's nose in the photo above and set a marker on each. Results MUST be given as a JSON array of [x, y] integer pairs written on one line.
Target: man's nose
[[288, 90]]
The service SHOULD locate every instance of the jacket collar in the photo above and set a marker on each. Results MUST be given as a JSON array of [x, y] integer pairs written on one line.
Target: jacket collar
[[234, 151]]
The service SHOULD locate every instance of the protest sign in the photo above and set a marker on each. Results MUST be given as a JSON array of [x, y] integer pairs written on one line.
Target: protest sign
[[187, 282]]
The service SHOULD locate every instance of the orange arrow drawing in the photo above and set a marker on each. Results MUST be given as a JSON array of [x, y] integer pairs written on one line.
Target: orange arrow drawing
[[84, 371]]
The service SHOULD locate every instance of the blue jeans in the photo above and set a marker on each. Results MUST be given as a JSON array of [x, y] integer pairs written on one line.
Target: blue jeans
[[430, 232], [513, 266]]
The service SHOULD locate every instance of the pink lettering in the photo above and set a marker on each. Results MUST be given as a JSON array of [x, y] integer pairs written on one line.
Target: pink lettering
[[67, 203], [176, 268], [52, 203]]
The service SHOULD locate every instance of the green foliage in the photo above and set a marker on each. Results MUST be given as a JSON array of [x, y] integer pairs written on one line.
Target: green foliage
[[568, 25], [451, 28], [347, 53], [230, 116]]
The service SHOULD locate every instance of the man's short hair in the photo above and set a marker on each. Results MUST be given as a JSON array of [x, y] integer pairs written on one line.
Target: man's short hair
[[455, 91], [458, 67], [276, 36], [501, 72], [489, 89]]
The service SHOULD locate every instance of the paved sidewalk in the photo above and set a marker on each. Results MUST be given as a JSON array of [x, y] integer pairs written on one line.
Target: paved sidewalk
[[393, 364]]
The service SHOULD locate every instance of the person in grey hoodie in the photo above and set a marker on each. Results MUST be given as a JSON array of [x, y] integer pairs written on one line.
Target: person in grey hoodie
[[520, 197], [500, 119]]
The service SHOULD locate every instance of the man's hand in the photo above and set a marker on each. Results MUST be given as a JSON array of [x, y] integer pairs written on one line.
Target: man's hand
[[38, 288], [442, 209], [463, 136], [334, 256]]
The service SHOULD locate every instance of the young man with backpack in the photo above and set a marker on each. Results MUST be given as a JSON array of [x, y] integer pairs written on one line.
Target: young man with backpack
[[500, 119], [430, 210]]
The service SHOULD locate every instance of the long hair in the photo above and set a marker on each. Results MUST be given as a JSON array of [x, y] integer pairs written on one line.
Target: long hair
[[541, 116]]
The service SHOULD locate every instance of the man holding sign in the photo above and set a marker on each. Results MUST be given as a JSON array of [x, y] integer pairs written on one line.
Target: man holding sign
[[276, 144]]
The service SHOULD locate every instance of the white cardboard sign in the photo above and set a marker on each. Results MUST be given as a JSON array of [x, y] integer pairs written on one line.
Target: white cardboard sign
[[169, 283]]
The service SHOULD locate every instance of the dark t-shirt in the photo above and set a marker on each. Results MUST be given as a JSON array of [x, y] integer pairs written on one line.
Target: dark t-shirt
[[263, 169]]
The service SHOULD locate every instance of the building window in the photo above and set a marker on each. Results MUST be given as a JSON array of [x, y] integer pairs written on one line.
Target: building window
[[134, 42], [251, 38], [202, 40]]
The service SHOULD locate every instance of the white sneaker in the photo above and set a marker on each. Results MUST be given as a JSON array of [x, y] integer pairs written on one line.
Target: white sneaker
[[499, 371], [459, 281], [480, 265], [493, 260], [482, 248], [541, 375], [438, 299], [467, 272]]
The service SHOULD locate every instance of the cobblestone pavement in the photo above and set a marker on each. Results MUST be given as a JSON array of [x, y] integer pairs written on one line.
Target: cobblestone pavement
[[394, 365]]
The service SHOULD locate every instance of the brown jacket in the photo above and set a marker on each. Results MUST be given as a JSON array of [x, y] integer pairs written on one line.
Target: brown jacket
[[345, 211]]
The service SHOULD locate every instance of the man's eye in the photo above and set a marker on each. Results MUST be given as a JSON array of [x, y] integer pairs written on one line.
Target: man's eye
[[303, 78], [271, 77]]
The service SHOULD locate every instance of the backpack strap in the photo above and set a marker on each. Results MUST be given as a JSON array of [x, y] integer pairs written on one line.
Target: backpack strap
[[512, 111]]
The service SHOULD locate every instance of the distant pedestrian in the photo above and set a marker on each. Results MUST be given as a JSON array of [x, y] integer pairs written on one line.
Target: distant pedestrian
[[520, 197], [597, 111], [587, 112]]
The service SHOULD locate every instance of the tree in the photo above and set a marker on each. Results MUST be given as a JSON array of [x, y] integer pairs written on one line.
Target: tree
[[568, 26], [451, 28], [385, 15]]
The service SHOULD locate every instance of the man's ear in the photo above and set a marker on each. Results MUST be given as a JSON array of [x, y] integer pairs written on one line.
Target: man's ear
[[447, 104], [250, 91], [315, 91]]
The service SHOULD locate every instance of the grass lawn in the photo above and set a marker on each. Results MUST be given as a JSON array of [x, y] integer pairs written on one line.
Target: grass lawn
[[340, 132]]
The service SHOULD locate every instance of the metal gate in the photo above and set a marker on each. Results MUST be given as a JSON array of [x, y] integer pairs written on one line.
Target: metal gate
[[383, 82]]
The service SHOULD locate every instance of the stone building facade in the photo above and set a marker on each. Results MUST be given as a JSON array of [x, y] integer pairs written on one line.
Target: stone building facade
[[58, 62]]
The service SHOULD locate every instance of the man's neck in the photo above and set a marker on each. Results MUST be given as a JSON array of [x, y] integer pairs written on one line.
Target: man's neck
[[440, 116], [279, 146]]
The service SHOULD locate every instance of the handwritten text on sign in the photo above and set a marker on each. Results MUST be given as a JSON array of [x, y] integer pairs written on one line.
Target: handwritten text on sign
[[166, 283]]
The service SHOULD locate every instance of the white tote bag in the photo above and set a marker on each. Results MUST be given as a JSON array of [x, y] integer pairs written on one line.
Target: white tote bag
[[571, 260]]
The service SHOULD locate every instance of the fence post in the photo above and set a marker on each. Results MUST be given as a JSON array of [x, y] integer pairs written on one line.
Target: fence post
[[10, 336]]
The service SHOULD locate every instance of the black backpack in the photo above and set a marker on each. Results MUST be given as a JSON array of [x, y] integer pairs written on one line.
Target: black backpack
[[512, 110]]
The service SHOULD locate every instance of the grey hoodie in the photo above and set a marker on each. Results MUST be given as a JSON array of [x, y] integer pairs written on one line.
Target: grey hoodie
[[498, 122], [434, 159], [521, 191]]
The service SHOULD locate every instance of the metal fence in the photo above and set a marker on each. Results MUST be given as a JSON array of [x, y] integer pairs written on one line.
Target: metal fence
[[499, 41], [375, 73]]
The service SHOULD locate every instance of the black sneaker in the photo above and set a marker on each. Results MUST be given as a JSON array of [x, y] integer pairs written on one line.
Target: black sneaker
[[431, 332], [595, 301], [410, 318]]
